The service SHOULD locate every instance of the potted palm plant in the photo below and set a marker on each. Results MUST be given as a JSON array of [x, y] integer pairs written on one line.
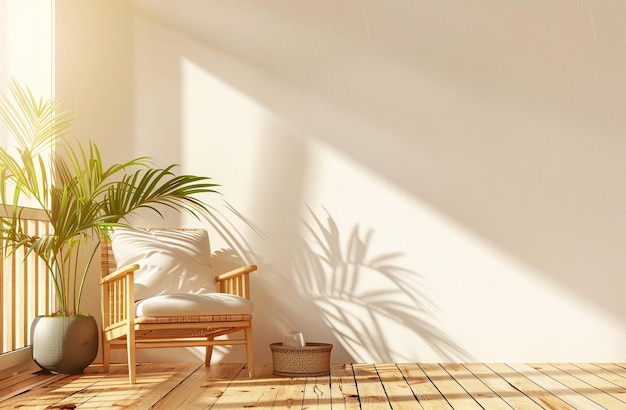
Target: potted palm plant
[[82, 199]]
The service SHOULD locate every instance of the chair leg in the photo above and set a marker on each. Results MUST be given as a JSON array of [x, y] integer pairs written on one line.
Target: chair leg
[[209, 352], [130, 350], [106, 354], [249, 351]]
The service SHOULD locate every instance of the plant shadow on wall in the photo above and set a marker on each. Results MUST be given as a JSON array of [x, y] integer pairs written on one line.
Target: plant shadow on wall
[[376, 308], [238, 249], [369, 306]]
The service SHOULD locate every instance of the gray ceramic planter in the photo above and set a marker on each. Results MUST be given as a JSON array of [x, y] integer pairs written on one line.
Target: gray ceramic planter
[[62, 344]]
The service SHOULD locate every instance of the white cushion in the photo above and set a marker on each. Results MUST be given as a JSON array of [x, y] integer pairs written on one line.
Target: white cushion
[[171, 261], [194, 304]]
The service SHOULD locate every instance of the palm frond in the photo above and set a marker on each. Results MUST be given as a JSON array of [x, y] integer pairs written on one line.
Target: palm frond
[[35, 123], [80, 195]]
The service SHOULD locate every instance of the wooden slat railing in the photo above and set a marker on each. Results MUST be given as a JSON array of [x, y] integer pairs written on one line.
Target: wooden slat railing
[[25, 287]]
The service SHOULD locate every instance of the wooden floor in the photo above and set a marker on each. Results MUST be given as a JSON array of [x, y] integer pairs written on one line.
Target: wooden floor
[[350, 386]]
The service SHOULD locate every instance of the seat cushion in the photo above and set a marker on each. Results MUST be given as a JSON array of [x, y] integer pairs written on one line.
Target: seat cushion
[[171, 261], [194, 304]]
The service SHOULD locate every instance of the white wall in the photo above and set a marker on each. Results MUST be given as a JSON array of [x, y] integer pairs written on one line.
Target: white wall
[[417, 181]]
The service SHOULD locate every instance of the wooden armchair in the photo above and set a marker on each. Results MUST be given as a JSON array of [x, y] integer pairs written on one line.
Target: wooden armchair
[[123, 326]]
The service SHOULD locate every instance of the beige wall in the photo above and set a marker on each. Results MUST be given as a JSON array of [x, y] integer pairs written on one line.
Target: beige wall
[[26, 56], [416, 180], [26, 38]]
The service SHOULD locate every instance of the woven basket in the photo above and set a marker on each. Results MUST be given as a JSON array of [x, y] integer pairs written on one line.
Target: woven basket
[[310, 360]]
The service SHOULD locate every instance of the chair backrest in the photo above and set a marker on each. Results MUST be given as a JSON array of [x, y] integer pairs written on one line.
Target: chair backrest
[[107, 257], [235, 282]]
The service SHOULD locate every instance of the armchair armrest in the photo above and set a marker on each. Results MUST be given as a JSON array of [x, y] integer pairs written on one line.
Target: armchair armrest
[[120, 273], [117, 298], [236, 272], [236, 281]]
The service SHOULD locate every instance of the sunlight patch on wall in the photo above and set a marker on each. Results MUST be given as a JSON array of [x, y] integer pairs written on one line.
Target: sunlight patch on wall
[[243, 145], [26, 53], [448, 280], [219, 129], [27, 44], [26, 47], [223, 134], [443, 290]]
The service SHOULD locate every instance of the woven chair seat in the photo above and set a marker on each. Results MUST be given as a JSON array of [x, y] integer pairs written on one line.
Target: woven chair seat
[[191, 319]]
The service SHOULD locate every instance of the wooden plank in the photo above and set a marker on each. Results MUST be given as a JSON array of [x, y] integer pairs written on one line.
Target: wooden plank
[[290, 392], [87, 387], [80, 392], [449, 388], [105, 389], [426, 392], [475, 387], [592, 387], [565, 393], [31, 393], [14, 383], [343, 390], [54, 390], [618, 370], [534, 391], [385, 385], [9, 379], [202, 388], [371, 392], [259, 392], [317, 393], [396, 387], [154, 381], [603, 379], [501, 387], [47, 391], [603, 372]]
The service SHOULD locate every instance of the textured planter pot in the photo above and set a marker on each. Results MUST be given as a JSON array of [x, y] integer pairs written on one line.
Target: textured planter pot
[[62, 344]]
